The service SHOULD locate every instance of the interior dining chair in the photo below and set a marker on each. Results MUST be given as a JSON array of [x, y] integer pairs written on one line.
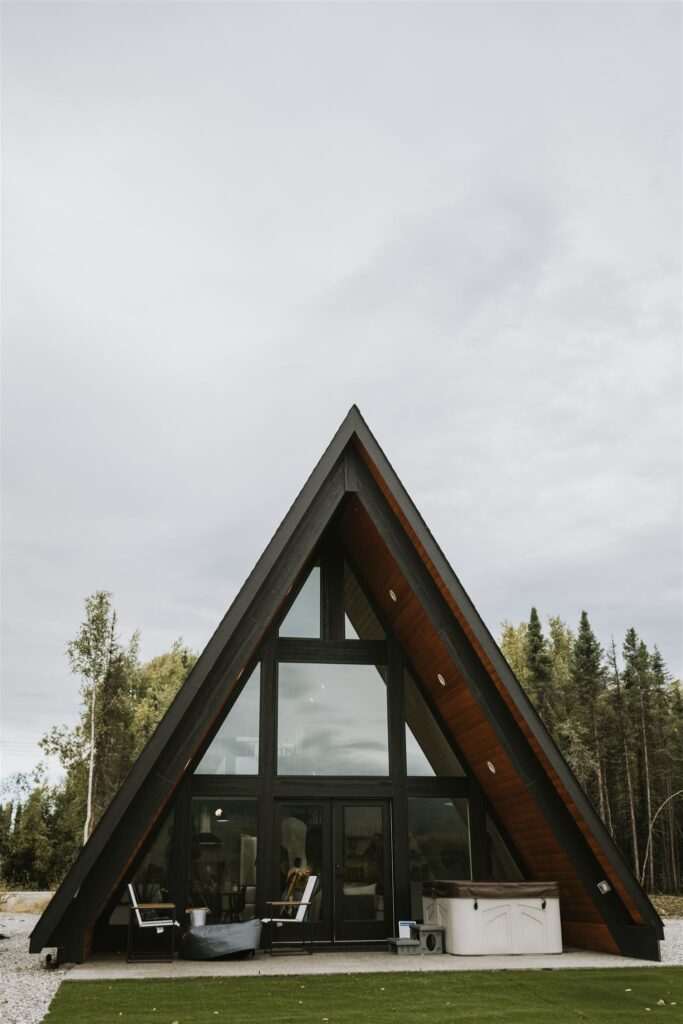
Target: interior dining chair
[[299, 919], [159, 916]]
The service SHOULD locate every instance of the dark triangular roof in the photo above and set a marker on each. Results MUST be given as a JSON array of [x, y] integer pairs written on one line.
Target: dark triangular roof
[[382, 521]]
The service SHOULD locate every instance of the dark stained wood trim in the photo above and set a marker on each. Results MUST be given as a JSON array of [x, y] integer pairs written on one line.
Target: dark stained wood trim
[[350, 652], [332, 603]]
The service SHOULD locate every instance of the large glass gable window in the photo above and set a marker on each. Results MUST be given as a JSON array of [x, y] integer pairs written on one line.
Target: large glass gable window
[[332, 720], [235, 747]]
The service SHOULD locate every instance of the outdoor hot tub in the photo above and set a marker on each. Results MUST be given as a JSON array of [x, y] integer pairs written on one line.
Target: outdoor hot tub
[[482, 918]]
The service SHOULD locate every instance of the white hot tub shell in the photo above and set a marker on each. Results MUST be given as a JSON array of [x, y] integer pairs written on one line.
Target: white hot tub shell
[[483, 918]]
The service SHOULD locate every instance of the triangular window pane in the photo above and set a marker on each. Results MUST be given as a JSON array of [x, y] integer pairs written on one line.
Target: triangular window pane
[[428, 752], [416, 762], [152, 878], [360, 621], [234, 748], [502, 865], [349, 631], [303, 618]]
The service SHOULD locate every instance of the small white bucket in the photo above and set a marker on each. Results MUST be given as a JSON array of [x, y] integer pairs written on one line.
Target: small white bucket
[[198, 916]]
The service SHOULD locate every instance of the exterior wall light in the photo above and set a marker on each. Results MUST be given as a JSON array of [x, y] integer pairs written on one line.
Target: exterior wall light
[[604, 887]]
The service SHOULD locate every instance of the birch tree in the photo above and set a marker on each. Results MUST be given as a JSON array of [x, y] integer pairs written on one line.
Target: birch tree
[[91, 655]]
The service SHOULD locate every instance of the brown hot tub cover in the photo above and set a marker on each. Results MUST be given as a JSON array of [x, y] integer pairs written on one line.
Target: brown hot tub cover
[[442, 888]]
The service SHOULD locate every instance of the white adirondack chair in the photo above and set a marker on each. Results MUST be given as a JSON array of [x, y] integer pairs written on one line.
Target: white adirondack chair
[[149, 915], [300, 919]]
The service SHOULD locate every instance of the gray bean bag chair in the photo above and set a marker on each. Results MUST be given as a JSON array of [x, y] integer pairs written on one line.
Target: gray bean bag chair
[[216, 940]]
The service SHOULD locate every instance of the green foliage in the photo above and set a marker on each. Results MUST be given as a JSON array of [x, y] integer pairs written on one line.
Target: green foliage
[[587, 671], [620, 730], [539, 670], [41, 826], [154, 686], [513, 646]]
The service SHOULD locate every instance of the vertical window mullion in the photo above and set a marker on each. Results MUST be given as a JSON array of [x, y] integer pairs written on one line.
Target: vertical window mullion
[[267, 768], [332, 598], [397, 771], [478, 839]]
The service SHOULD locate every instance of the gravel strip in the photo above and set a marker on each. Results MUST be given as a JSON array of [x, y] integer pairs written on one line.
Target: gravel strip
[[672, 947], [26, 985]]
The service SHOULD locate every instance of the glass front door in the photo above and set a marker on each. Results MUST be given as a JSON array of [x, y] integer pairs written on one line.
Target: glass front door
[[346, 843]]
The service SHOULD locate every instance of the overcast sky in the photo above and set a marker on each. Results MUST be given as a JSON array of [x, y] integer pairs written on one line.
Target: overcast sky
[[225, 223]]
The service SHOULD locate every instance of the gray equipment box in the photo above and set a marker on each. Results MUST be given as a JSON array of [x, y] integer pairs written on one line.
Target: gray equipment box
[[429, 936], [424, 940]]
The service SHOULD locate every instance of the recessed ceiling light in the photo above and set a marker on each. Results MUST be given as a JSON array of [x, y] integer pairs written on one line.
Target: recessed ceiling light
[[491, 767], [441, 679], [392, 595]]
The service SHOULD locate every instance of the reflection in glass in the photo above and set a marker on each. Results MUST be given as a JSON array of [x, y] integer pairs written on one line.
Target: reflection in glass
[[439, 843], [332, 720], [502, 864], [223, 855], [303, 618], [360, 621], [234, 748], [152, 878], [428, 752], [301, 853], [363, 865]]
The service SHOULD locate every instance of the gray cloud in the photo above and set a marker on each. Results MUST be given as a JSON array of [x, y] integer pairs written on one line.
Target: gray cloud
[[223, 224]]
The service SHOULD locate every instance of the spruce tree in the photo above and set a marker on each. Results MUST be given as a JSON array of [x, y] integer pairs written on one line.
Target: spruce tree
[[539, 671], [588, 684], [638, 685]]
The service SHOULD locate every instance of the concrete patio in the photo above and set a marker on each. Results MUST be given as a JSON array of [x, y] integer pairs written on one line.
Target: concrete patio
[[108, 967]]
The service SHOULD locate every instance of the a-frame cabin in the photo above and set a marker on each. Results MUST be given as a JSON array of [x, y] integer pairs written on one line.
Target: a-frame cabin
[[351, 713]]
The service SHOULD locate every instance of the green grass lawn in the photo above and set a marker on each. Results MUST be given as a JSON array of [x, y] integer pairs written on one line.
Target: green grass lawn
[[485, 997]]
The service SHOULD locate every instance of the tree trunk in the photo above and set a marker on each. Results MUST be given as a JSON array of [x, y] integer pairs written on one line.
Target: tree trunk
[[96, 683], [627, 762], [608, 807], [87, 828], [648, 791], [601, 788], [675, 876]]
